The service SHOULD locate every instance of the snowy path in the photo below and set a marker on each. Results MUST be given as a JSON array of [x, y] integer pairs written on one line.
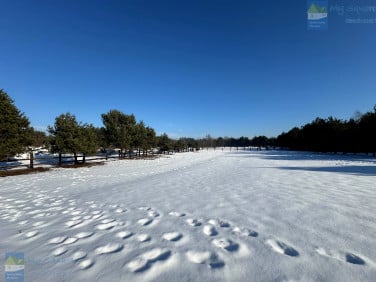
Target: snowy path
[[208, 216]]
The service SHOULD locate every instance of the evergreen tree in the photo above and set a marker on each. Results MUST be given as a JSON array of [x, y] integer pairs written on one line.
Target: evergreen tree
[[66, 135], [15, 131], [180, 145], [260, 141], [151, 138], [38, 138], [88, 140], [244, 142], [164, 143], [367, 129], [101, 137], [220, 142], [140, 141], [119, 130]]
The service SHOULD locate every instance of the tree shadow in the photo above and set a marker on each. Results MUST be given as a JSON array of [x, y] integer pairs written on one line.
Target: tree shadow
[[358, 164], [302, 156], [278, 155], [353, 169]]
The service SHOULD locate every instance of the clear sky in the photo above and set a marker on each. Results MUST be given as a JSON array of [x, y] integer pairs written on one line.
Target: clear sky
[[188, 68]]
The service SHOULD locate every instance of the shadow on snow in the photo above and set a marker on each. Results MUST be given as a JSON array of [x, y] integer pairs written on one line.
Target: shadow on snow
[[367, 164], [352, 169], [303, 156]]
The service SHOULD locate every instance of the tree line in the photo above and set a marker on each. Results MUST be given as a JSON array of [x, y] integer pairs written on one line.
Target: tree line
[[356, 135]]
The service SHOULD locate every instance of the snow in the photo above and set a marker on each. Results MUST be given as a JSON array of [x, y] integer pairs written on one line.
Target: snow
[[207, 216]]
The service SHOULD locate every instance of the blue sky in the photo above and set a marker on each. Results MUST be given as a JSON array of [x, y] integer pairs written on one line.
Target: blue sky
[[188, 68]]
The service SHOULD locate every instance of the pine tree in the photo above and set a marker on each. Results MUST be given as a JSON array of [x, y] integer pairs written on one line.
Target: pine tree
[[14, 128], [88, 140], [65, 135], [140, 137], [119, 130], [151, 138], [164, 143], [38, 138]]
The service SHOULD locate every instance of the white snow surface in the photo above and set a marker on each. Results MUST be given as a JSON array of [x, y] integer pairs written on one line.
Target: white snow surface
[[206, 216]]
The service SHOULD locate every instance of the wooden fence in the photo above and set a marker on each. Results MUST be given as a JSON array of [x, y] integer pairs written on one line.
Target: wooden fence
[[34, 161]]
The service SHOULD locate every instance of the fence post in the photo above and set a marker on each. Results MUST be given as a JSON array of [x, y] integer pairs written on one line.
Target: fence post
[[31, 160]]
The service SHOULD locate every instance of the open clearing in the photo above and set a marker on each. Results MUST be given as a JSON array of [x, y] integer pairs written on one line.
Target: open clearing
[[207, 216]]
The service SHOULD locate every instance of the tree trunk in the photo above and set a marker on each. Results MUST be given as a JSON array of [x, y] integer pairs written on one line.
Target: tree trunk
[[83, 158], [75, 158], [59, 159]]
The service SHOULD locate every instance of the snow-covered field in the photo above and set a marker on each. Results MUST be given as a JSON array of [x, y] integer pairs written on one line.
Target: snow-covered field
[[207, 216]]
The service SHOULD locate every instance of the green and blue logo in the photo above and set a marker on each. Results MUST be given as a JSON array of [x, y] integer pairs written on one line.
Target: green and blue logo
[[317, 15], [14, 267]]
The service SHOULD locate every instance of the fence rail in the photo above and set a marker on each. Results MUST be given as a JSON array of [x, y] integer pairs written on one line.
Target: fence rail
[[53, 161]]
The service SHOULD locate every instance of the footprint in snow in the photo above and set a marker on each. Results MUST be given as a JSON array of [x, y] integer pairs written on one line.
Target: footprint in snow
[[73, 223], [219, 223], [209, 230], [59, 251], [57, 240], [23, 222], [245, 232], [109, 248], [226, 244], [82, 235], [177, 214], [145, 221], [96, 212], [346, 257], [31, 234], [124, 234], [97, 216], [79, 255], [70, 240], [107, 220], [143, 237], [209, 258], [106, 226], [85, 264], [354, 259], [77, 212], [146, 260], [121, 210], [193, 222], [282, 248], [153, 214], [172, 236]]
